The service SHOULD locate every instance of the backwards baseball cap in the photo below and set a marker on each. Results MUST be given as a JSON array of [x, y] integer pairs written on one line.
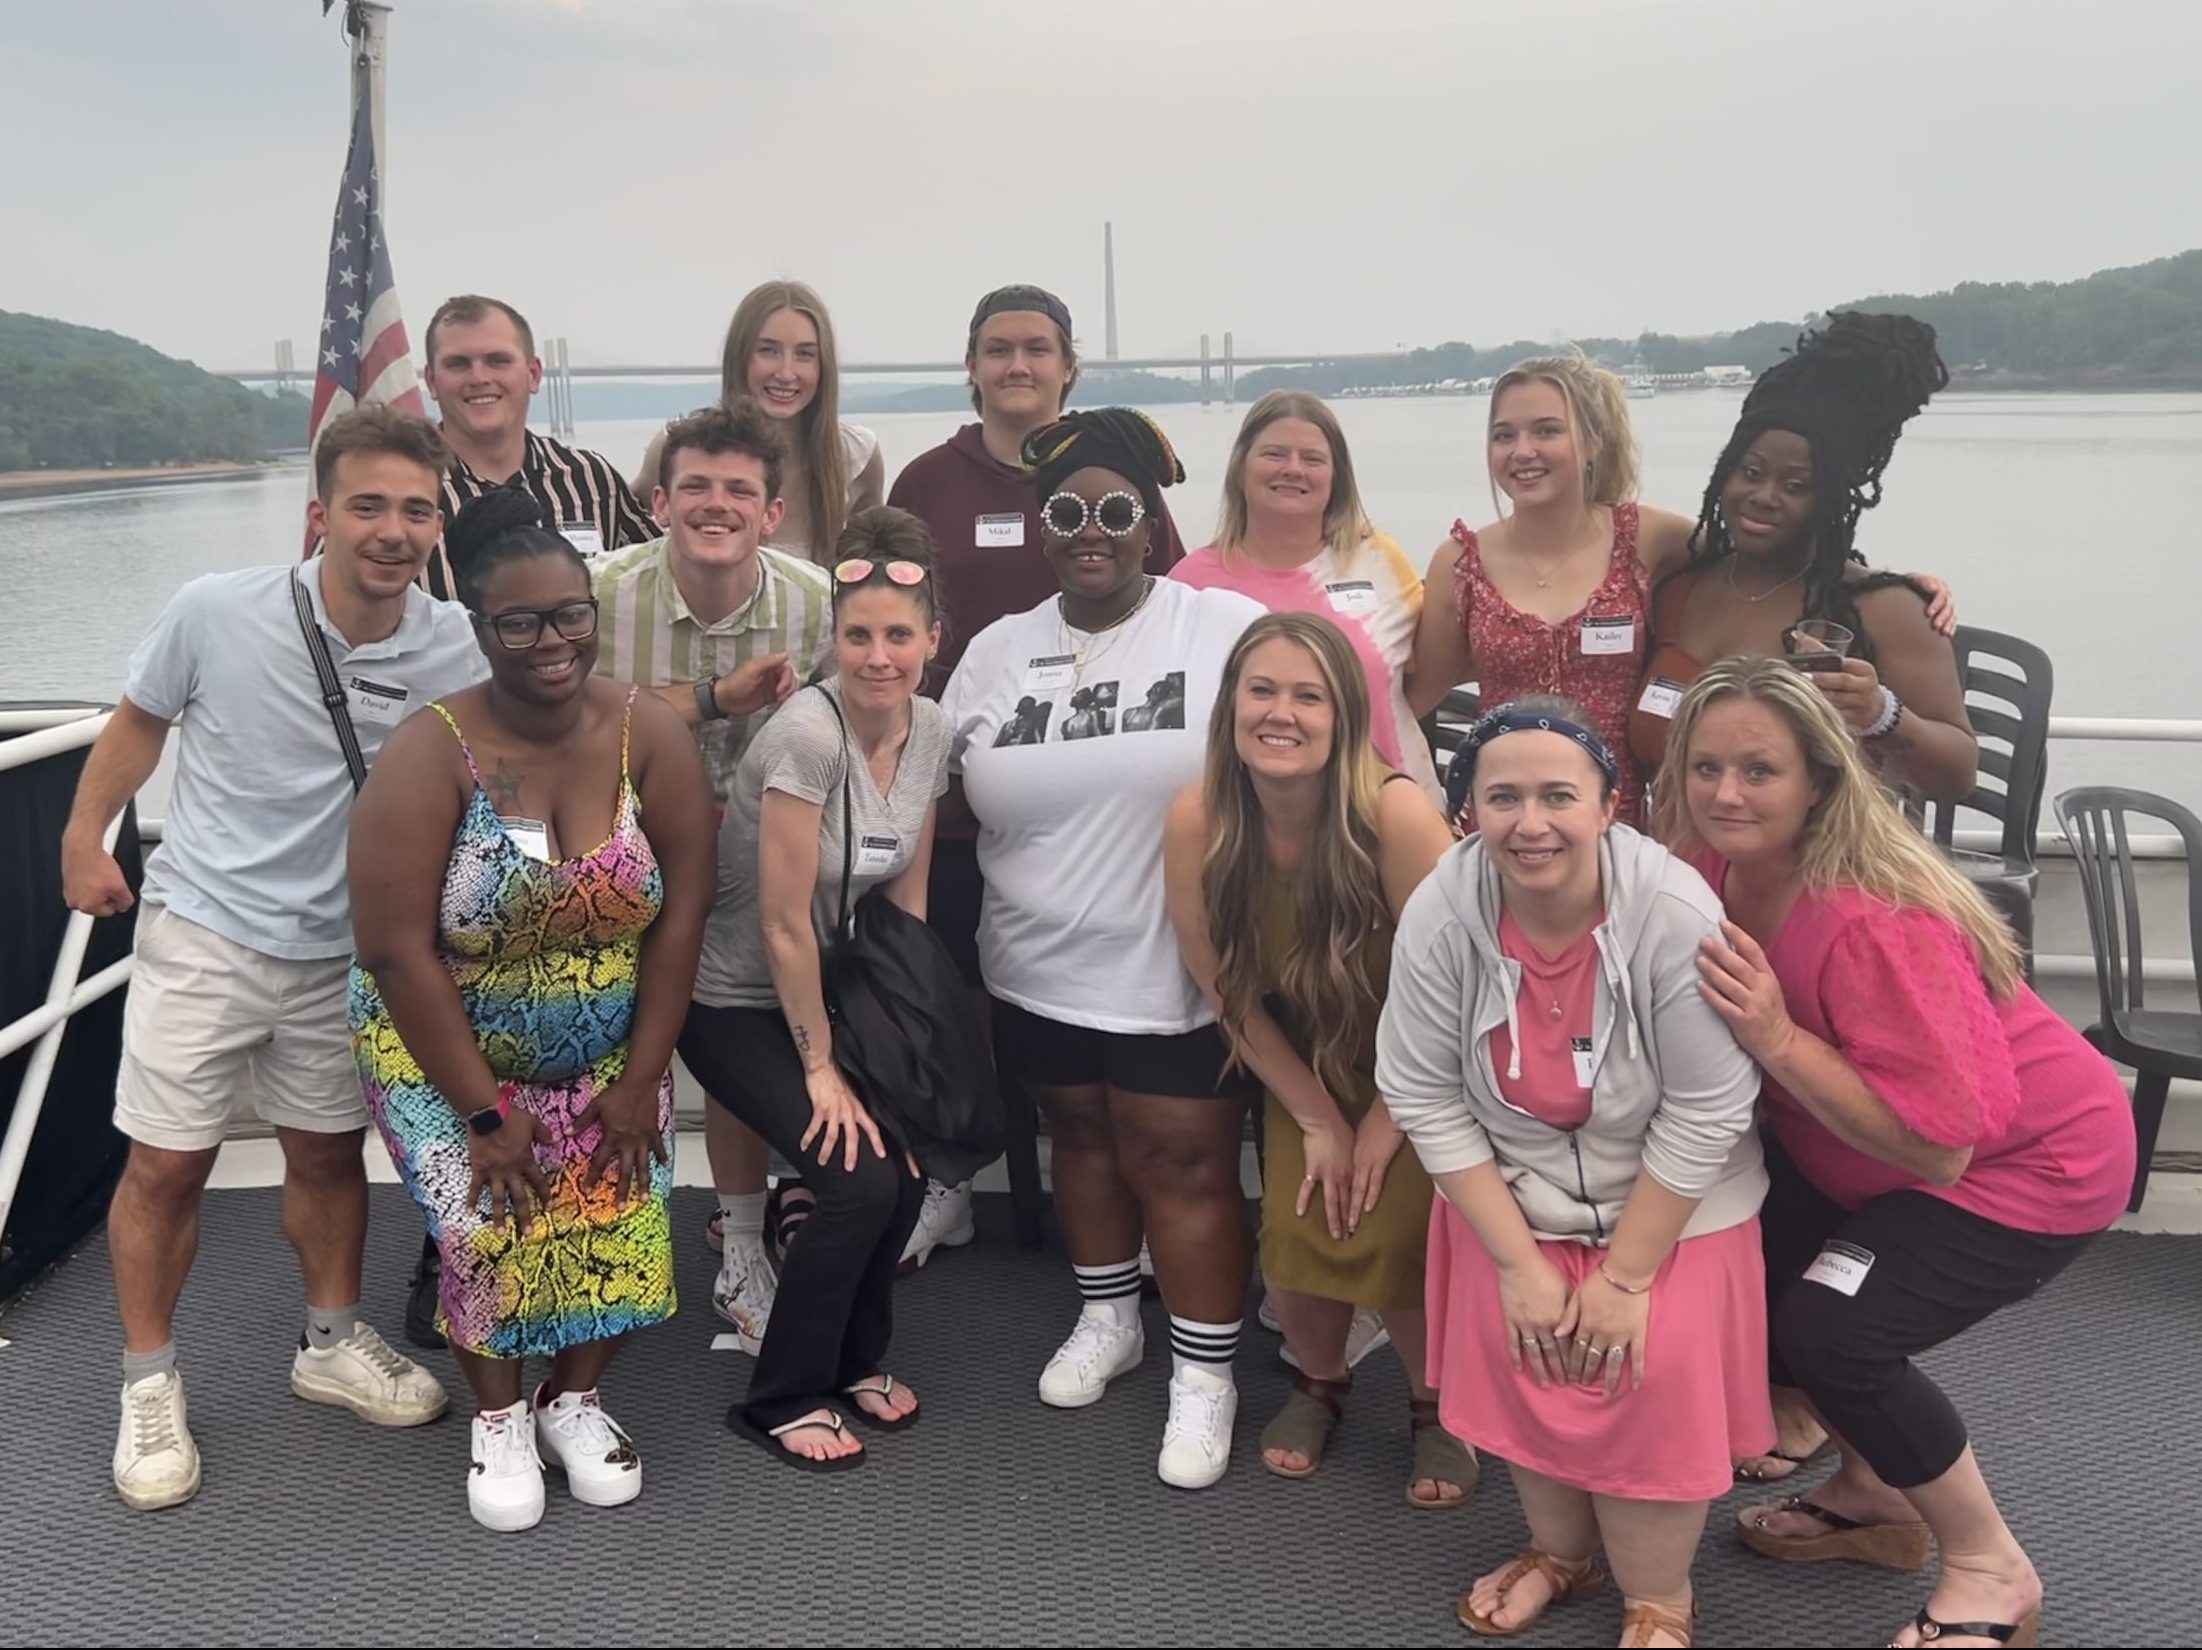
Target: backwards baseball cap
[[1003, 299]]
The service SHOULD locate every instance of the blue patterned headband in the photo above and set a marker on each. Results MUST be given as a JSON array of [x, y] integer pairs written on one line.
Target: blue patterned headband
[[1506, 719]]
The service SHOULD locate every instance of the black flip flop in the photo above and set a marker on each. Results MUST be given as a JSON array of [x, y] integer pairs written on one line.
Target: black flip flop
[[886, 1389], [768, 1440], [1824, 1449]]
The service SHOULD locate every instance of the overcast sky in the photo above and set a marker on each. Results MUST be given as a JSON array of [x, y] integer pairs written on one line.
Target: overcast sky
[[1341, 174]]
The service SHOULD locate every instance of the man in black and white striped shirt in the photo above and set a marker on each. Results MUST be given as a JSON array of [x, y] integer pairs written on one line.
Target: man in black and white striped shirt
[[483, 371]]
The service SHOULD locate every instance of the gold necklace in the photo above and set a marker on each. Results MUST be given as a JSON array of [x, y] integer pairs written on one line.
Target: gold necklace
[[1088, 652], [1769, 590]]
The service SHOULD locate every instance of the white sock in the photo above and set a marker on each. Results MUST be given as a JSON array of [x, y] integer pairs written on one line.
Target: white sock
[[742, 1218], [1204, 1349], [1111, 1292]]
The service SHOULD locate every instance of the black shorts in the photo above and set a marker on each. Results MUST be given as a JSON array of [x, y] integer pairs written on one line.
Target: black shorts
[[953, 894], [1189, 1064]]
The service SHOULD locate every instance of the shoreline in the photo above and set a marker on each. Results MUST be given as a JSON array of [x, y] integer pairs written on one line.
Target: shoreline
[[54, 483]]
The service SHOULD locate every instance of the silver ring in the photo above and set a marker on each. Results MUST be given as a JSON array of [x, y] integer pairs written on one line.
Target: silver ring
[[1547, 1346], [1615, 1351], [1597, 1351]]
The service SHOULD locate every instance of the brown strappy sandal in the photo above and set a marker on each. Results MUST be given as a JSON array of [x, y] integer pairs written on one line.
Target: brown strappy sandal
[[1312, 1411], [1569, 1583], [1438, 1457], [1900, 1546], [1640, 1621]]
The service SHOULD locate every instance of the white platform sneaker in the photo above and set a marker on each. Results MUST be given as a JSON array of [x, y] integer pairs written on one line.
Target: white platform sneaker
[[572, 1432], [504, 1488], [1196, 1440], [1099, 1349]]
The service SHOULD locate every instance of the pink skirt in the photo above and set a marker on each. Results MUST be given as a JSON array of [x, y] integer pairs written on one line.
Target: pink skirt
[[1703, 1405]]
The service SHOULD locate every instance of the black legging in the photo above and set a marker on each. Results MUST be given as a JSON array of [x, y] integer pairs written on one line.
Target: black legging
[[1930, 1271], [835, 1311]]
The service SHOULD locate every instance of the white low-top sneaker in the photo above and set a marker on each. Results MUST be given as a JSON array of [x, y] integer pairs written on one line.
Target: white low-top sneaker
[[1196, 1440], [743, 1293], [368, 1376], [1099, 1350], [156, 1463], [504, 1487], [573, 1432], [944, 1223]]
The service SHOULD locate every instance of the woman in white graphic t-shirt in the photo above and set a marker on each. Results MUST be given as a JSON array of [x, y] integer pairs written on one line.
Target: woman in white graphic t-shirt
[[1094, 1011]]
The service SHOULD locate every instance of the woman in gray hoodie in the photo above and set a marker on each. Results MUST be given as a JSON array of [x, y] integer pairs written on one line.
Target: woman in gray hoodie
[[1596, 1308]]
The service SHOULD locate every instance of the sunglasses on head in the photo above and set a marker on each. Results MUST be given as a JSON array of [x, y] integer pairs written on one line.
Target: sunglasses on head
[[522, 627], [1116, 514], [859, 568]]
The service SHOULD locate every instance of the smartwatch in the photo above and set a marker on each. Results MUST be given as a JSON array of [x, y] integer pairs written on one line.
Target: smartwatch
[[707, 700], [490, 1119]]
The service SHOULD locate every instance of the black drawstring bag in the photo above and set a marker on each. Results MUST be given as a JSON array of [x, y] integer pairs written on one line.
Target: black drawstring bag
[[905, 1031]]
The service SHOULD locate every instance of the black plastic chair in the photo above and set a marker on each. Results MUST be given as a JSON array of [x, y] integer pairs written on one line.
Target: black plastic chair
[[2158, 1043], [2007, 685], [1445, 728]]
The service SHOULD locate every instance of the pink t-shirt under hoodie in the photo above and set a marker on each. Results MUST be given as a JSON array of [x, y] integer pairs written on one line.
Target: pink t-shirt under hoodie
[[1900, 995]]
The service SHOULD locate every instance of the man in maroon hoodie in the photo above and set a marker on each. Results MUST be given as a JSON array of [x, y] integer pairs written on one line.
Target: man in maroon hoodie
[[984, 515]]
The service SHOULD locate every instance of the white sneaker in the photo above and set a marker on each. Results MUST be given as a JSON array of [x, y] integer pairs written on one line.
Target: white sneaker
[[1196, 1441], [743, 1293], [1364, 1337], [1146, 1260], [1099, 1350], [368, 1376], [504, 1488], [573, 1432], [156, 1463], [944, 1223], [1266, 1316]]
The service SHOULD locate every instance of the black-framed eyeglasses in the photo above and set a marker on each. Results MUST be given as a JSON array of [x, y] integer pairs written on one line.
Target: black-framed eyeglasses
[[1115, 514], [522, 627]]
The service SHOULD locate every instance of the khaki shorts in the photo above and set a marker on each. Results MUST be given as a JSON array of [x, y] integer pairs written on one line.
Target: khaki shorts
[[210, 1023]]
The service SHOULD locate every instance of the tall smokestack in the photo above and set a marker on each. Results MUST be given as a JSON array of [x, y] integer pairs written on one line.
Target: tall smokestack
[[1108, 261]]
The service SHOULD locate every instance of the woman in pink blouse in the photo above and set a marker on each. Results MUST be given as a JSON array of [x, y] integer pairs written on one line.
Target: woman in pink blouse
[[1947, 1144]]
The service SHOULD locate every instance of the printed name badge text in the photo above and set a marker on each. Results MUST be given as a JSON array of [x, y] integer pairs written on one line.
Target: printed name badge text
[[1579, 1047], [1352, 595], [876, 852], [583, 536], [375, 702], [530, 836], [1841, 1266], [1001, 532], [1051, 674], [1661, 696], [1616, 634]]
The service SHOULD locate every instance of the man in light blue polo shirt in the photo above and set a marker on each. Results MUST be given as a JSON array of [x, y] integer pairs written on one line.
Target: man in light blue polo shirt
[[245, 942]]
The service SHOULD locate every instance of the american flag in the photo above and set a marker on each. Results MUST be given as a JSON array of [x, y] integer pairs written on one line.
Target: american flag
[[363, 356]]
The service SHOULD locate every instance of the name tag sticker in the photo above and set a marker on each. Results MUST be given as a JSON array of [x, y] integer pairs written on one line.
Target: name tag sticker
[[530, 836], [1352, 595], [1003, 532], [876, 853], [1661, 696], [1051, 674], [375, 701], [583, 536], [1841, 1266], [1616, 634], [1579, 1047]]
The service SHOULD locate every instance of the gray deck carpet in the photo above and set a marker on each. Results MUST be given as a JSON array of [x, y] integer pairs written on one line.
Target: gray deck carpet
[[997, 1520]]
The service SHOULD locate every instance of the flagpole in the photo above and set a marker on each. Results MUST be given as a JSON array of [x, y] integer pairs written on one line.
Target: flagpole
[[372, 43]]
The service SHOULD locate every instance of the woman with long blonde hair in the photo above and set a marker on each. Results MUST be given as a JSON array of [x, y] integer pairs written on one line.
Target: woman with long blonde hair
[[780, 351], [1286, 868], [1947, 1144]]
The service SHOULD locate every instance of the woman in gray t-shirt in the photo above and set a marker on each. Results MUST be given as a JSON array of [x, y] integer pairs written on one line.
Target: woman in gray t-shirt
[[757, 1036]]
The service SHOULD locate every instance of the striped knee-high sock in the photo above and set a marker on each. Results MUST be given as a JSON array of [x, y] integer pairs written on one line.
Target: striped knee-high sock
[[1205, 1347]]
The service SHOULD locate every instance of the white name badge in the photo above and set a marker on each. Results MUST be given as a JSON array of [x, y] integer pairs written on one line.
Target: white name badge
[[583, 536], [1005, 532], [1841, 1266], [1579, 1047], [530, 836], [1352, 595], [1052, 674], [1661, 696], [1609, 635], [876, 852], [376, 702]]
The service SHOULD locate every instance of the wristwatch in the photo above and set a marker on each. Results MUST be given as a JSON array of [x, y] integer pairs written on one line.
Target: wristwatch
[[707, 700], [490, 1119]]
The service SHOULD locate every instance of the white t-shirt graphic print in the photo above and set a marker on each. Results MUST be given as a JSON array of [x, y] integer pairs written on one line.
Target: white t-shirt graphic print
[[1070, 771]]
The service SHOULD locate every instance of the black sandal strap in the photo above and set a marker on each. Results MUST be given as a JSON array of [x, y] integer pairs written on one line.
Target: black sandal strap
[[1931, 1630], [1834, 1521]]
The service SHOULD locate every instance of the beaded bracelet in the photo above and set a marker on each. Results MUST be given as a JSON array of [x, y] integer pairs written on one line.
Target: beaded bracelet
[[1891, 708]]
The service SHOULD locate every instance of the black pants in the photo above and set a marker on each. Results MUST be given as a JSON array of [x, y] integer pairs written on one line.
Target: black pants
[[1925, 1271], [835, 1311]]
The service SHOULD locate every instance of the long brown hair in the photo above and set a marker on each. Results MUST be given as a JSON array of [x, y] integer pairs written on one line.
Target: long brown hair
[[1345, 522], [816, 450], [1328, 973], [1855, 836]]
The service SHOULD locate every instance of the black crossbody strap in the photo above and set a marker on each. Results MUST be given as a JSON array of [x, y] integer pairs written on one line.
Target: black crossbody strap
[[332, 690], [848, 831]]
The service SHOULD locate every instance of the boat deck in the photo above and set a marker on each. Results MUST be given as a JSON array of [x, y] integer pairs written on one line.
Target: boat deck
[[996, 1521]]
